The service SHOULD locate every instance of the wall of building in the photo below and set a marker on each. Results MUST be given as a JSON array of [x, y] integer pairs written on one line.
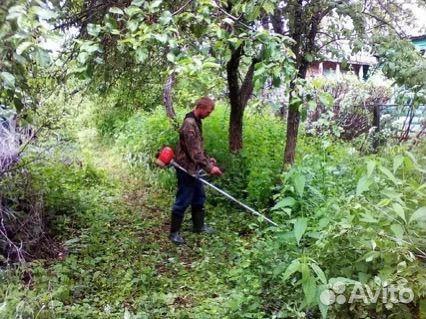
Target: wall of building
[[334, 68]]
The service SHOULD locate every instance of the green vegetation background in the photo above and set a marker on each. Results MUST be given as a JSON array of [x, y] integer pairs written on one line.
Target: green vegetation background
[[343, 215]]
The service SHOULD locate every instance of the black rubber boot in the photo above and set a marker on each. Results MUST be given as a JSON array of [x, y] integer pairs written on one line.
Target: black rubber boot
[[199, 226], [175, 225]]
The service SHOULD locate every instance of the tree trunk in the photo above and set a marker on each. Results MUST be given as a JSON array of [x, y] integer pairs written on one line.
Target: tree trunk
[[236, 129], [304, 43], [236, 119], [238, 97], [376, 124], [406, 129], [167, 96], [293, 120]]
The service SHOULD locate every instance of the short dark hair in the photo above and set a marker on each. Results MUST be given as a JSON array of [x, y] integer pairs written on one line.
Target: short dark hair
[[204, 102]]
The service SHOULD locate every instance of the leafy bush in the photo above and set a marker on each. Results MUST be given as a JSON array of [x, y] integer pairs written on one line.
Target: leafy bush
[[109, 120], [79, 204], [38, 201], [23, 230], [344, 219], [344, 107]]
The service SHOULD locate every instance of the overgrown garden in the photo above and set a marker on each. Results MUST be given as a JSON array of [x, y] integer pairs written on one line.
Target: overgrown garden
[[91, 90]]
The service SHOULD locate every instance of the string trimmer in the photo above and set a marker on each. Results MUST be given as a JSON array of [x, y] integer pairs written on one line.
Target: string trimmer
[[165, 158]]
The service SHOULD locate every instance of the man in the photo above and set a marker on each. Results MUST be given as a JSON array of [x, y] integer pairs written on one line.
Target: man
[[190, 155]]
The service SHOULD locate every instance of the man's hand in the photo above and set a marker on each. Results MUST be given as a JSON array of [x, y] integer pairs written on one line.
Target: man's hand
[[212, 161], [215, 171]]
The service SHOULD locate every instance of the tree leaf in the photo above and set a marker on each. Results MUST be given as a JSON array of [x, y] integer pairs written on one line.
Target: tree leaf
[[279, 269], [397, 161], [276, 81], [320, 274], [137, 3], [165, 18], [208, 64], [368, 218], [370, 167], [299, 184], [141, 54], [312, 105], [309, 285], [82, 57], [291, 269], [161, 37], [418, 214], [16, 12], [295, 102], [116, 10], [90, 47], [300, 228], [23, 46], [155, 4], [363, 185], [370, 256], [397, 230], [132, 25], [93, 29], [42, 57], [399, 210], [170, 57], [309, 57], [389, 174], [268, 7], [8, 80], [286, 202], [132, 10], [412, 157], [326, 99], [45, 13], [391, 193]]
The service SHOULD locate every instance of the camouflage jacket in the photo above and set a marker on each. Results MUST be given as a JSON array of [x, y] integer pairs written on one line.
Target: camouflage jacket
[[190, 149]]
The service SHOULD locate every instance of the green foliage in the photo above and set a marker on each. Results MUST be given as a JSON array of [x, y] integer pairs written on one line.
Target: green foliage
[[195, 81], [343, 107], [401, 62], [263, 150], [147, 42], [110, 120], [25, 52], [115, 259], [82, 205], [343, 216], [252, 172], [144, 134], [64, 187], [141, 137], [353, 228]]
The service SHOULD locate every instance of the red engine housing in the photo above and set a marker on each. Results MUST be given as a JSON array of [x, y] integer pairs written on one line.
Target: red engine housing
[[165, 156]]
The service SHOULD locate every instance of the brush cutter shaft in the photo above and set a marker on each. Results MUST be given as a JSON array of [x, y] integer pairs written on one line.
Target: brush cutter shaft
[[225, 194]]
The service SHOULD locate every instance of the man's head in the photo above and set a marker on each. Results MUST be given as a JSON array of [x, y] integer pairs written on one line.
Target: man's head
[[203, 107]]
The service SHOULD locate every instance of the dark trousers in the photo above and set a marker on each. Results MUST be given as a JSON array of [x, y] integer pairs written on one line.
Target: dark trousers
[[190, 192]]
